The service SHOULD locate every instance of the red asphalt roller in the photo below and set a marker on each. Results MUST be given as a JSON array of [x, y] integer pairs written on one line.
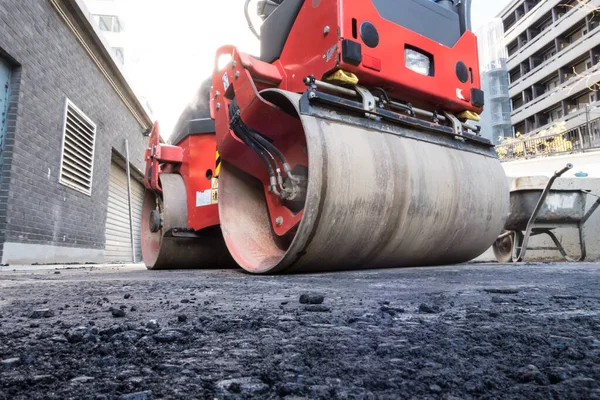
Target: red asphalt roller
[[348, 144]]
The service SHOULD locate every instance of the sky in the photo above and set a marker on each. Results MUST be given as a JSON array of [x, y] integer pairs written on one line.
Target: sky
[[171, 46]]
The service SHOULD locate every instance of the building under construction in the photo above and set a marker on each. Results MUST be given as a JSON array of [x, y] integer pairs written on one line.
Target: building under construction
[[553, 51]]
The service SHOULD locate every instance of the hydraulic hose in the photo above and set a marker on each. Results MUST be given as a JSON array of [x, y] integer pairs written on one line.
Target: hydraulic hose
[[253, 137], [249, 20], [271, 147], [238, 128], [249, 137]]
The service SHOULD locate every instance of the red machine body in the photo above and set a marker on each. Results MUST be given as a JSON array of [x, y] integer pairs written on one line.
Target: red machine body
[[315, 46], [329, 68], [195, 159]]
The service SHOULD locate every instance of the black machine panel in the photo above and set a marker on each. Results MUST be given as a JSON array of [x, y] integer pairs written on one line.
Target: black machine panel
[[423, 17], [195, 119], [276, 29]]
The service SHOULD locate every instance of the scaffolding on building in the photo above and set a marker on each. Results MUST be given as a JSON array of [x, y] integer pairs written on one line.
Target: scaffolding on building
[[495, 120]]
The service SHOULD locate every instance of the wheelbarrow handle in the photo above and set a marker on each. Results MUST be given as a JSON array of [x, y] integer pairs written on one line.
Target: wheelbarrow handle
[[562, 171], [557, 174]]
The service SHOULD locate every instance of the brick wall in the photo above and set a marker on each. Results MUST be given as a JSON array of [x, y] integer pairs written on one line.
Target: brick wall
[[34, 207], [8, 145]]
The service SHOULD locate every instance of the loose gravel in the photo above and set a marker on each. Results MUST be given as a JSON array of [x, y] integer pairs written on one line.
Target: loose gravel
[[473, 331]]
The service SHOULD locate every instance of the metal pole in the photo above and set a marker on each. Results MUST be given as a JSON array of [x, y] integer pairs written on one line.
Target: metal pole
[[587, 126], [129, 200]]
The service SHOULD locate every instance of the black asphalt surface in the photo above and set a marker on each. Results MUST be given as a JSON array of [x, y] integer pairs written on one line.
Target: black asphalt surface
[[472, 331]]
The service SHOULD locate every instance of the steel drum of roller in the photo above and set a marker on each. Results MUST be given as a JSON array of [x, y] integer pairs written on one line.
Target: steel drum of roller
[[377, 197], [162, 248]]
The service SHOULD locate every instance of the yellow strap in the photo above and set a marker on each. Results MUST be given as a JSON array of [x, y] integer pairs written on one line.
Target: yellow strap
[[473, 116], [343, 77]]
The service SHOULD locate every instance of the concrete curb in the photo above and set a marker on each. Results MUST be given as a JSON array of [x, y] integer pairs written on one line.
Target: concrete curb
[[27, 268]]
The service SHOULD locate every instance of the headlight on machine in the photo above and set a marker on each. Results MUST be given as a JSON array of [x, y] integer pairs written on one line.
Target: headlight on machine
[[418, 62]]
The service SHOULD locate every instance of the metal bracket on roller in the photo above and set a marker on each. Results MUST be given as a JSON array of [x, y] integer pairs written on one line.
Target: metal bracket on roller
[[456, 124], [182, 232], [368, 101]]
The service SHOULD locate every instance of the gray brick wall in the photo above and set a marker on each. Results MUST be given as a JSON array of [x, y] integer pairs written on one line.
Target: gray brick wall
[[34, 207], [8, 145]]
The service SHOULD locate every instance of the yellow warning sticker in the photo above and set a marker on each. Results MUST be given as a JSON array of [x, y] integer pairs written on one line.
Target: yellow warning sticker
[[215, 191], [217, 164]]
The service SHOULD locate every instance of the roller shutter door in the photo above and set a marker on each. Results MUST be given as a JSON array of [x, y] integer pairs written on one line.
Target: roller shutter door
[[118, 235]]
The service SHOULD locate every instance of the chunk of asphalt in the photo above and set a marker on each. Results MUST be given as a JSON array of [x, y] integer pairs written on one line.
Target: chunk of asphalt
[[311, 298]]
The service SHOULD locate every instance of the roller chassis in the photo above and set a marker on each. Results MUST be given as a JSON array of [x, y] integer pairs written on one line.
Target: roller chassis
[[265, 115]]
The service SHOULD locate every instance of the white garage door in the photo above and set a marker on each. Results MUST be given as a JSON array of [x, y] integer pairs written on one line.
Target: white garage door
[[118, 232]]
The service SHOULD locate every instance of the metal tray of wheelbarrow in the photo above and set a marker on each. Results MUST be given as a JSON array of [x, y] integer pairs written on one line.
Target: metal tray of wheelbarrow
[[560, 207], [535, 209]]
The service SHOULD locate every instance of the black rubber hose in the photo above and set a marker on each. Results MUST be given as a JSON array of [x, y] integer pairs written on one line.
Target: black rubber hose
[[249, 20], [253, 136], [244, 131], [261, 141], [238, 127], [270, 146]]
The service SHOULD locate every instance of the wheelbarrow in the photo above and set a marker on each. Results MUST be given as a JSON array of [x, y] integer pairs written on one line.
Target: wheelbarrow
[[536, 212]]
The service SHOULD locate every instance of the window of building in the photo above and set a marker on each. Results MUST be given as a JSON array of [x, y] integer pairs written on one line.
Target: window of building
[[546, 24], [556, 114], [577, 34], [549, 55], [103, 24], [119, 54], [519, 130], [594, 21], [580, 67], [550, 85], [517, 102], [108, 23], [515, 74], [77, 161], [116, 25], [567, 75], [509, 21], [512, 47]]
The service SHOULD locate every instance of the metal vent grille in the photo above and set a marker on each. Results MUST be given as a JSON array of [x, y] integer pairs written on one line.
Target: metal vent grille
[[79, 137]]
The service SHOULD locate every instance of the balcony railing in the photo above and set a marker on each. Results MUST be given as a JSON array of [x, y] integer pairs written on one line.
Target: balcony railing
[[527, 19], [579, 139], [575, 84], [552, 59], [525, 47]]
